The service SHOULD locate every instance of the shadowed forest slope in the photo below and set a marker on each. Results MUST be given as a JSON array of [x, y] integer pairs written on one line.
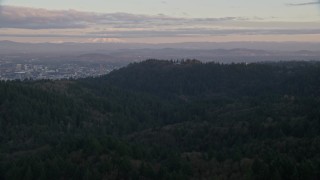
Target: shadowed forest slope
[[165, 120]]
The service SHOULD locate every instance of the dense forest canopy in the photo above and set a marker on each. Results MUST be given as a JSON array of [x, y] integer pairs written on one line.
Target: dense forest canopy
[[165, 120]]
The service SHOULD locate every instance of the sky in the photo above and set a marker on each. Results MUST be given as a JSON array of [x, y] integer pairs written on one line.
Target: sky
[[159, 21]]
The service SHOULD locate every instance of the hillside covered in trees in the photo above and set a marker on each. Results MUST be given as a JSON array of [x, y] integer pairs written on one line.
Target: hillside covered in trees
[[165, 120]]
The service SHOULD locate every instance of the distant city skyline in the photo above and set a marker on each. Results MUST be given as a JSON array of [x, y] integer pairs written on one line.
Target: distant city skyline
[[159, 21]]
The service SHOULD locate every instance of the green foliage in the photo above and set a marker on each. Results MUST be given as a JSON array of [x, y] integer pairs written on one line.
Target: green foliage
[[165, 120]]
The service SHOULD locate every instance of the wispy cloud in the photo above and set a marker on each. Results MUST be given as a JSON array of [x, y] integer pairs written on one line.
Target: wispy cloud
[[0, 6], [172, 33], [304, 4], [22, 22], [202, 32], [30, 18]]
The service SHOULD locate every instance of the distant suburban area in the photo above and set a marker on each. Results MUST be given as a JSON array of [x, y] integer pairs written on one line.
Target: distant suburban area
[[21, 68]]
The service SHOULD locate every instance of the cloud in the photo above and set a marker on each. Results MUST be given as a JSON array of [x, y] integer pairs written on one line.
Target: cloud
[[118, 36], [202, 32], [22, 22], [0, 6], [31, 18], [304, 4]]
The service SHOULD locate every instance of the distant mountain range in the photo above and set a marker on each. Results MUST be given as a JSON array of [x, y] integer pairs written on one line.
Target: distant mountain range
[[16, 47], [217, 55], [125, 52]]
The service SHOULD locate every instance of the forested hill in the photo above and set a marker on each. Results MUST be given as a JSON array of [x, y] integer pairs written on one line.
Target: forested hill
[[165, 120], [192, 78]]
